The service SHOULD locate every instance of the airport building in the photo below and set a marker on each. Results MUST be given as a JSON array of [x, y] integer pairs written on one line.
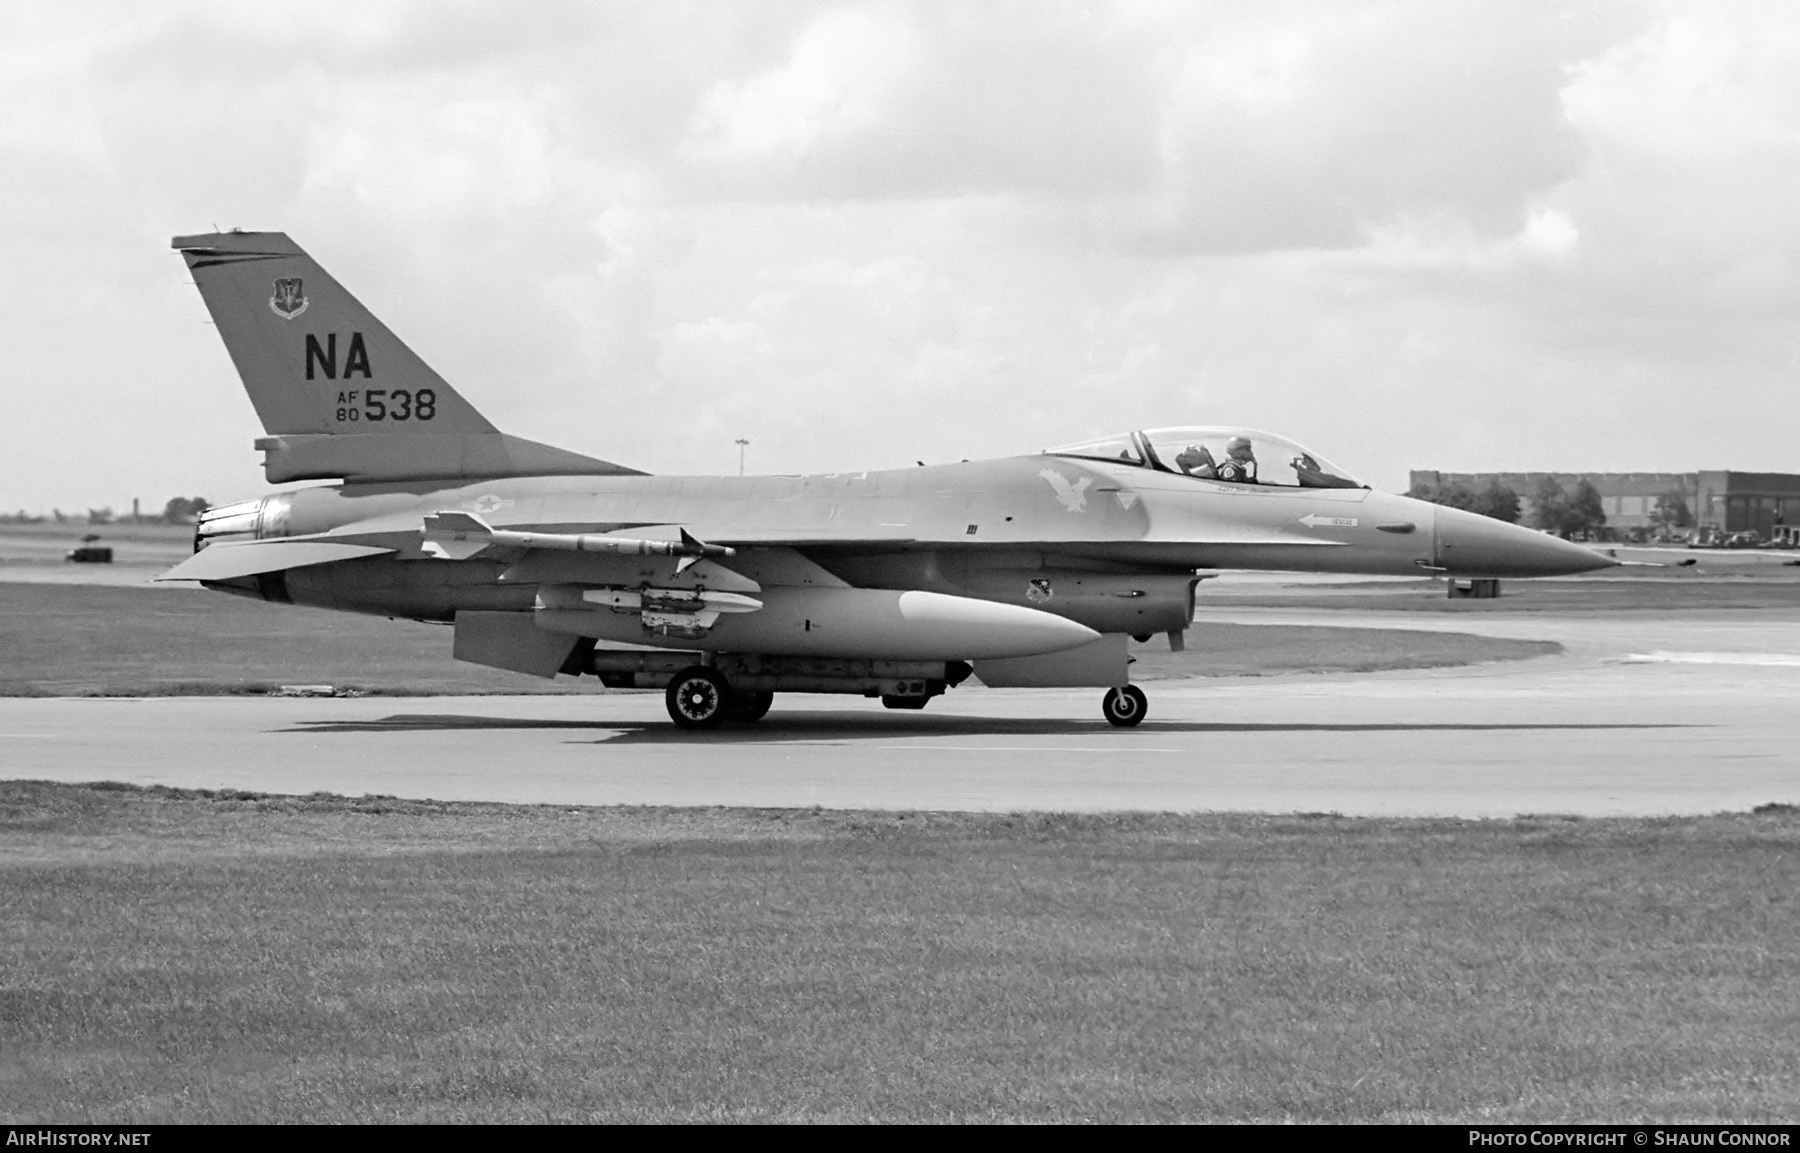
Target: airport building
[[1719, 502]]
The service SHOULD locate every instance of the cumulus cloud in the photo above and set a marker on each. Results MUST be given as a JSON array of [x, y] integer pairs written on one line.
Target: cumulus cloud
[[1515, 234], [830, 357], [1694, 127], [1183, 129], [935, 100], [843, 74], [1308, 133]]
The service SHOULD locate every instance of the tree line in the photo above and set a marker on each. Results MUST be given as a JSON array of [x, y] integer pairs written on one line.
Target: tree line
[[179, 510], [1567, 512]]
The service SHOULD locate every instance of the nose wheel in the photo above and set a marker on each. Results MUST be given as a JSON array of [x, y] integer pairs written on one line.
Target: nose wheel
[[1125, 707]]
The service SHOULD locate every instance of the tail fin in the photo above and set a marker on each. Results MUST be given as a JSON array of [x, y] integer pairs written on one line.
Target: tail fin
[[339, 394]]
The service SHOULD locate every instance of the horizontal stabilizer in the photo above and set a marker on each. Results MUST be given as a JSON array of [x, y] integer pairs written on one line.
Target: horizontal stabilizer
[[222, 562], [384, 457]]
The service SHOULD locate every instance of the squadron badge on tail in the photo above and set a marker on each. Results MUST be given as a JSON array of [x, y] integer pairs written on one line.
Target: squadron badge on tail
[[289, 300]]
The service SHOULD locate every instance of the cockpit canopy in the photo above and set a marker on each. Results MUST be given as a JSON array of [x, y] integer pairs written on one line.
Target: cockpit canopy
[[1231, 455]]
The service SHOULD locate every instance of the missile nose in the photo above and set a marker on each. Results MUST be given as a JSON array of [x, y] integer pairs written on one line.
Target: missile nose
[[1469, 544]]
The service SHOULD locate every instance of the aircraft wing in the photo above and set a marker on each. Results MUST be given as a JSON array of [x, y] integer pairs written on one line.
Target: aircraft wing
[[227, 561]]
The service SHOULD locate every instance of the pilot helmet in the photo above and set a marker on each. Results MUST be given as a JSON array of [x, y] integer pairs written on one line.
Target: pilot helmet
[[1237, 442]]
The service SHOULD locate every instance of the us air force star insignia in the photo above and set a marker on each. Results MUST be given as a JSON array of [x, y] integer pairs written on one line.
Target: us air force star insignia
[[487, 502], [1072, 496], [1125, 499], [289, 300]]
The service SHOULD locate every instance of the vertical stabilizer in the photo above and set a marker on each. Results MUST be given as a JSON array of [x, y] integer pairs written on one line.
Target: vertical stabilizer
[[338, 392]]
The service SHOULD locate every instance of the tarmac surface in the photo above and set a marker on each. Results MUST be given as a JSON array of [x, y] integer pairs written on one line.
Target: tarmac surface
[[1643, 714]]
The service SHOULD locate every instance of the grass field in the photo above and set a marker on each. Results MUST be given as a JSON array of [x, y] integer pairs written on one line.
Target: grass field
[[183, 957], [96, 640], [80, 640]]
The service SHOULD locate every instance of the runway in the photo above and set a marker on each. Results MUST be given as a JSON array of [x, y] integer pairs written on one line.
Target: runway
[[1643, 715]]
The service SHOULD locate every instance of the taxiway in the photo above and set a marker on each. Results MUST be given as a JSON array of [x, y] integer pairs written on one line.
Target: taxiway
[[1688, 725]]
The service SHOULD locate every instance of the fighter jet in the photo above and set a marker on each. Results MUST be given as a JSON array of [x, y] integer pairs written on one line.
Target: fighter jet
[[723, 591]]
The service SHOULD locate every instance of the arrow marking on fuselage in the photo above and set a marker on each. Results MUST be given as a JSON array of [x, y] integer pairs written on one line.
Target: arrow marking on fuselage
[[1312, 521]]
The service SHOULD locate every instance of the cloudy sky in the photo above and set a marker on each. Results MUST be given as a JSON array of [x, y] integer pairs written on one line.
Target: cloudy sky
[[1407, 233]]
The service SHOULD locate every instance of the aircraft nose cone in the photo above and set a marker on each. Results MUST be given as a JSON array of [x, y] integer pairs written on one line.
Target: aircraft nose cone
[[1469, 544]]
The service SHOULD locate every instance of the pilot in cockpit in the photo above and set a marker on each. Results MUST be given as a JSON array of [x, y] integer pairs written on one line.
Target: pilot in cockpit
[[1196, 460], [1240, 462]]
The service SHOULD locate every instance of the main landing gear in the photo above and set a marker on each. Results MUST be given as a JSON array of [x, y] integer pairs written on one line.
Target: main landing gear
[[745, 708], [1125, 707], [699, 698]]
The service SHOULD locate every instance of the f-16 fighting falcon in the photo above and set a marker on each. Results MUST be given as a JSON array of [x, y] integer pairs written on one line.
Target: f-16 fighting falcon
[[1026, 571]]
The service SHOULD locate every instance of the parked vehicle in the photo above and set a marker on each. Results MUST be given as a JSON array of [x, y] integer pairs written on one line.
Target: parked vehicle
[[87, 552]]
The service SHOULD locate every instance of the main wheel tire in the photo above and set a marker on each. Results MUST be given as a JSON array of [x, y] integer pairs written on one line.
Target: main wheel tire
[[747, 708], [696, 698], [896, 702], [1125, 707]]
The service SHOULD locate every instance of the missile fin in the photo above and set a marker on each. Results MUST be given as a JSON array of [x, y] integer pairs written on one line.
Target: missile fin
[[450, 535]]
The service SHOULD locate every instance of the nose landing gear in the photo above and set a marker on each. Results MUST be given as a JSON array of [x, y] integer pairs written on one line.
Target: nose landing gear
[[1124, 707]]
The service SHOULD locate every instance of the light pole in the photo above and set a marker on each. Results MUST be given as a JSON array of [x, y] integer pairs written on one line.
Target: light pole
[[742, 444]]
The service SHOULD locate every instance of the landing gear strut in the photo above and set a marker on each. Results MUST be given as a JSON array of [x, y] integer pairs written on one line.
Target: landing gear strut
[[697, 698], [1125, 707]]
